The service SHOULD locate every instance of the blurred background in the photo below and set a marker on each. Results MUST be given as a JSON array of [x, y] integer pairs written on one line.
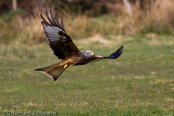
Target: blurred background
[[84, 18], [140, 82]]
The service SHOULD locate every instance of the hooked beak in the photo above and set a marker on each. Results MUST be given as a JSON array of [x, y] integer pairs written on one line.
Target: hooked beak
[[92, 54]]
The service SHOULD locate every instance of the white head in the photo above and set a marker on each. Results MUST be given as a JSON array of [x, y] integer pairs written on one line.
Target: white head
[[88, 53]]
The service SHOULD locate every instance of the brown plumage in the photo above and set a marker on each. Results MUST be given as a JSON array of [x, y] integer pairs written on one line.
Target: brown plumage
[[64, 48]]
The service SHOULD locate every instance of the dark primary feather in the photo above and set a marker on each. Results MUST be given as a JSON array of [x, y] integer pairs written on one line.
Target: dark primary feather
[[61, 44], [53, 19], [50, 20], [57, 20], [116, 54]]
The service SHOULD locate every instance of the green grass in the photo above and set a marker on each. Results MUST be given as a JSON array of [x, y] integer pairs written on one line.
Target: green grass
[[140, 82]]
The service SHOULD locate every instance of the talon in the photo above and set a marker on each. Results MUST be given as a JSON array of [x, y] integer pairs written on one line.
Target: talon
[[65, 66]]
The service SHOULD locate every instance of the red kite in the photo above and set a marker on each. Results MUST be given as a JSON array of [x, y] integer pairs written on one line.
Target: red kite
[[64, 48]]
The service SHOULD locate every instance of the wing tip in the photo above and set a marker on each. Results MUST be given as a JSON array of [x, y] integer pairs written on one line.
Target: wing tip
[[116, 54], [52, 20], [122, 47]]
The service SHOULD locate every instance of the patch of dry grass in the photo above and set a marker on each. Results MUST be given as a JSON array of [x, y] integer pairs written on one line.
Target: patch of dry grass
[[159, 20], [29, 30], [20, 30]]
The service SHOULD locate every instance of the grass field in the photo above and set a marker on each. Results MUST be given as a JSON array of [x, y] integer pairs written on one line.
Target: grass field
[[139, 82]]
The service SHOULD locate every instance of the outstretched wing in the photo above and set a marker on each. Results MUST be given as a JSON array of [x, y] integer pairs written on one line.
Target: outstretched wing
[[112, 56], [61, 44]]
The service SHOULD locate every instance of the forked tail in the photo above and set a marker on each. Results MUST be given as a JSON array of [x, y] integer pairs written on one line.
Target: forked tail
[[53, 71]]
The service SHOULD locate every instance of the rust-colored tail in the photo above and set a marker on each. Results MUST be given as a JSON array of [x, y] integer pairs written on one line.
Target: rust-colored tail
[[53, 71]]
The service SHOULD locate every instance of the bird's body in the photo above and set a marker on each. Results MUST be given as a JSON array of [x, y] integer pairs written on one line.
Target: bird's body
[[64, 48]]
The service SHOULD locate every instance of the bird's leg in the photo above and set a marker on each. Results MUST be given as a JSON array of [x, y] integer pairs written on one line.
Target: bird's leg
[[66, 66]]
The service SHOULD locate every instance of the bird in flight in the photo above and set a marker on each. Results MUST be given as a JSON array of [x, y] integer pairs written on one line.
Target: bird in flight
[[65, 49]]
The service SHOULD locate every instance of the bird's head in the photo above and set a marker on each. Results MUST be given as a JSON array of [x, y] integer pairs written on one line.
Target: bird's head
[[88, 53]]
